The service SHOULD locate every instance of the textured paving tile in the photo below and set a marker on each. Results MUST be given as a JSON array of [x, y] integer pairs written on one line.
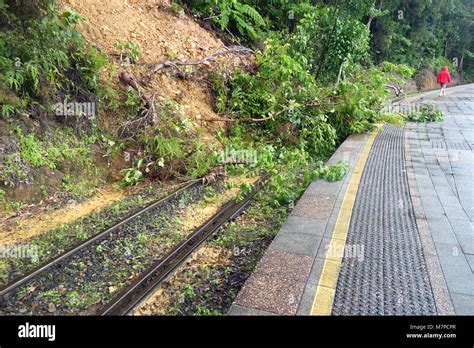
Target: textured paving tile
[[393, 277], [315, 205], [444, 305], [277, 295], [286, 265]]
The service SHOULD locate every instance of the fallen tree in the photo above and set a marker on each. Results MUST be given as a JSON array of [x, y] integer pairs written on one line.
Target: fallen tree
[[238, 50]]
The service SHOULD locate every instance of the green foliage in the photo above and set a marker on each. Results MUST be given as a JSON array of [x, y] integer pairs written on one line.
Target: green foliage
[[64, 146], [204, 311], [437, 63], [78, 188], [42, 55], [276, 91], [326, 40], [2, 196], [334, 172], [394, 118], [170, 148], [359, 97], [34, 152], [132, 175], [128, 50], [232, 14], [420, 32], [189, 292], [427, 113], [199, 162], [402, 70], [177, 8]]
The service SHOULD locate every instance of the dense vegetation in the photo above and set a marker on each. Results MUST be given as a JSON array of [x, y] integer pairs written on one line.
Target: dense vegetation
[[321, 71], [413, 32]]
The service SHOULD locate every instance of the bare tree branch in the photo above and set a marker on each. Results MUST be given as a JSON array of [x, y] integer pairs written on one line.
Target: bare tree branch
[[128, 79], [239, 50]]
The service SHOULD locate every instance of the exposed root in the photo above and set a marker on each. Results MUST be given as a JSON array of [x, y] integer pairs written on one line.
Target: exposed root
[[128, 79], [239, 50]]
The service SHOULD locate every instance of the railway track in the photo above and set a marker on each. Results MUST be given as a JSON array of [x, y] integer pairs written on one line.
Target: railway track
[[150, 278], [139, 290], [15, 284]]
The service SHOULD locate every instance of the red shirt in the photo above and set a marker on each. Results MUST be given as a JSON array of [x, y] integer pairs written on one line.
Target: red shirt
[[444, 76]]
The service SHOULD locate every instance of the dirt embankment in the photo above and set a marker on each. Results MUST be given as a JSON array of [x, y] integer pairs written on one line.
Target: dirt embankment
[[425, 80], [162, 34]]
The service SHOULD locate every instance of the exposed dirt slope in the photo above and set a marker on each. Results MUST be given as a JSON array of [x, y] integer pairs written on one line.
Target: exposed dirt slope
[[17, 230], [162, 35]]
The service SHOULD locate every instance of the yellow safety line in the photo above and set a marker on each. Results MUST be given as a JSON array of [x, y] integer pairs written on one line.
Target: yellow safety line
[[324, 297]]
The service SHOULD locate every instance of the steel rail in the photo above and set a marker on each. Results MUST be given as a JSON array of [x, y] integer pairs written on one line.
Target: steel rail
[[125, 301], [35, 272]]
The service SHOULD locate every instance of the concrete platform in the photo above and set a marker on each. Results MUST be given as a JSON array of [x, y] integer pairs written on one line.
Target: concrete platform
[[297, 275], [286, 278]]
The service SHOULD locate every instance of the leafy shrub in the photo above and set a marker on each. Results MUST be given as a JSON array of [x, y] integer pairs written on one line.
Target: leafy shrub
[[171, 148], [128, 50], [427, 113], [61, 146], [326, 40], [401, 69], [283, 89], [43, 54], [132, 175], [395, 118], [334, 172], [232, 14]]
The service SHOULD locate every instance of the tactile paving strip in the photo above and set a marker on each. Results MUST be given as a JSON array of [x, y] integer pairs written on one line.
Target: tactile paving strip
[[390, 277]]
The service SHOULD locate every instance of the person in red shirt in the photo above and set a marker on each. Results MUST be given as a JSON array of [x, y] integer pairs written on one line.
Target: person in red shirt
[[444, 79]]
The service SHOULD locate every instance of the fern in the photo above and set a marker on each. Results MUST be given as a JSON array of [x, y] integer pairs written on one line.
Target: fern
[[250, 12], [231, 14], [34, 74], [244, 28]]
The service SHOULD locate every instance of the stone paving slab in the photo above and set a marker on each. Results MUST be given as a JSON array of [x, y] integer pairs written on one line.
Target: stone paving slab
[[443, 164], [285, 280]]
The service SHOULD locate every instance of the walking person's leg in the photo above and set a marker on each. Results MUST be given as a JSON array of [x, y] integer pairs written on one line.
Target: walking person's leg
[[443, 90]]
